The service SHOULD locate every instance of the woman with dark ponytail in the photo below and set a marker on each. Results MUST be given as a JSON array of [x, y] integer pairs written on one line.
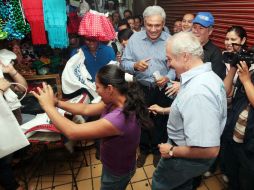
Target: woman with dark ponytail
[[122, 111]]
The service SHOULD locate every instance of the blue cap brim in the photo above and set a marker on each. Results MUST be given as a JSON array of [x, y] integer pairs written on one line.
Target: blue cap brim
[[201, 22]]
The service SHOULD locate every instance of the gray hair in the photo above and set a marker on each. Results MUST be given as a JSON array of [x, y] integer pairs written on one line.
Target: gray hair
[[154, 10], [186, 42]]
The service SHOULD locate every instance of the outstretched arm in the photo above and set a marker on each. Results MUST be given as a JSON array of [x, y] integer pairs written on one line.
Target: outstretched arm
[[95, 129], [81, 109], [156, 109]]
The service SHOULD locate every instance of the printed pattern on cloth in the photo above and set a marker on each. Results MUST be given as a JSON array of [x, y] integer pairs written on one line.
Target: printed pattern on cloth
[[239, 130], [96, 25]]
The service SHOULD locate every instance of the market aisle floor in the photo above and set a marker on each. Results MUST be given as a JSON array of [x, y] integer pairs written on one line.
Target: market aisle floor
[[89, 177]]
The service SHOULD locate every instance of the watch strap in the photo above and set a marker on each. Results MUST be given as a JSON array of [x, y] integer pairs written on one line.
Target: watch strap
[[171, 151]]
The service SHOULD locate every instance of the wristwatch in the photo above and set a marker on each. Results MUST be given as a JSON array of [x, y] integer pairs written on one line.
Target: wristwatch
[[171, 151]]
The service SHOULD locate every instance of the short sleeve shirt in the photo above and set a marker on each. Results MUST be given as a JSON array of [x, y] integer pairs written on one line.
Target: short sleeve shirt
[[118, 153], [198, 114]]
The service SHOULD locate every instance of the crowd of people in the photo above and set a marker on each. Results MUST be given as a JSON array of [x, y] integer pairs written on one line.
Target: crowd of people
[[187, 106]]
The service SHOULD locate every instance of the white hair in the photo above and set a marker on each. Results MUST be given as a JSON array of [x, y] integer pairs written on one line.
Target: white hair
[[154, 10], [186, 42]]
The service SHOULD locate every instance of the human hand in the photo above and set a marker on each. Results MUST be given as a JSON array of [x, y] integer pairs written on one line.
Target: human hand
[[162, 81], [243, 72], [119, 56], [156, 109], [45, 96], [172, 90], [164, 149], [4, 84], [142, 65], [8, 69]]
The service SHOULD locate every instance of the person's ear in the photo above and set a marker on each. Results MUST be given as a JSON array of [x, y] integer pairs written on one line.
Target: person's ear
[[186, 57], [243, 40], [210, 30], [163, 24], [110, 88]]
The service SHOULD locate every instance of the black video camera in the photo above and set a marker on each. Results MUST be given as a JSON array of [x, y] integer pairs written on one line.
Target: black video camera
[[235, 58]]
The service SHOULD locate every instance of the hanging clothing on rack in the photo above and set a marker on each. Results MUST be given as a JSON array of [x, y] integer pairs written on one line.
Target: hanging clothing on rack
[[13, 21], [96, 25], [73, 23], [34, 14], [55, 20]]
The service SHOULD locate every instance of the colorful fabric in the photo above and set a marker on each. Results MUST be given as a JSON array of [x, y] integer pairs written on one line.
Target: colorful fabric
[[3, 34], [34, 14], [55, 20], [73, 23], [14, 21], [96, 25]]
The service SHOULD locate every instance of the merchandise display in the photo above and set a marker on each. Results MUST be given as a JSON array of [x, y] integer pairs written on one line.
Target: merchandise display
[[13, 20], [96, 25]]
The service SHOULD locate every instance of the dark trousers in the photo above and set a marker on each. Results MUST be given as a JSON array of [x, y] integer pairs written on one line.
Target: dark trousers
[[239, 166], [177, 173], [219, 162], [7, 179], [158, 134]]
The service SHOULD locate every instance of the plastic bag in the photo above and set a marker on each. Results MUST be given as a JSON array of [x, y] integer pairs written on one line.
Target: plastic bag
[[75, 76], [11, 136]]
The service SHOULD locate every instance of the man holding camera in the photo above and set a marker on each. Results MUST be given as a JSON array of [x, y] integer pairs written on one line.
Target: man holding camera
[[238, 136]]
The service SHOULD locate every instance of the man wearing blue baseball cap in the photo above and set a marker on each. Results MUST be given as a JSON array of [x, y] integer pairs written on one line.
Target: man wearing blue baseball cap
[[202, 28]]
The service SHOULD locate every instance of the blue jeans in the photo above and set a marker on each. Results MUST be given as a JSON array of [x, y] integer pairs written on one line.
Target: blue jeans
[[177, 173], [113, 182]]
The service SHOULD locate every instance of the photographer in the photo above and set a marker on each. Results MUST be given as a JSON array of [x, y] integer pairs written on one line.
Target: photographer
[[238, 136], [235, 44], [235, 41]]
